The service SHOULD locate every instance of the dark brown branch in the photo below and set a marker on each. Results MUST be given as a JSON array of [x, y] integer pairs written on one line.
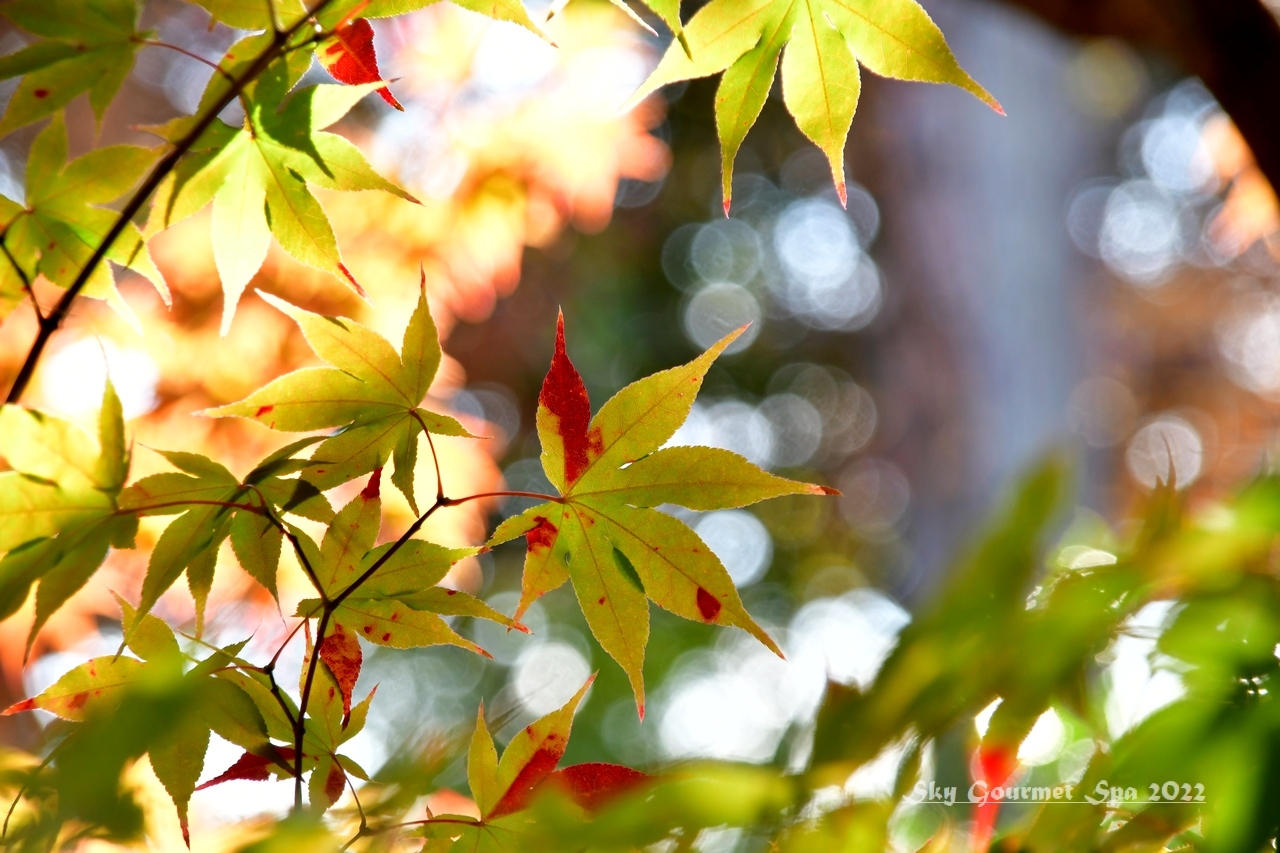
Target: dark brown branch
[[1233, 46]]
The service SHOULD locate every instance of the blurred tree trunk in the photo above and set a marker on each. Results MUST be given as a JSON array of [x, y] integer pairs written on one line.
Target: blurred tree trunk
[[1233, 46]]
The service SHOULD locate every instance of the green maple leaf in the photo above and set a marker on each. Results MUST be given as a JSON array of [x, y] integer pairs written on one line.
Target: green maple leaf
[[60, 225], [89, 46], [604, 534], [400, 604], [258, 177], [210, 503], [58, 505], [825, 41], [370, 391]]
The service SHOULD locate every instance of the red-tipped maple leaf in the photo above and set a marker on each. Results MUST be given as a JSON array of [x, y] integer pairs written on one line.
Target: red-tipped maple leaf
[[604, 532], [253, 767], [350, 58]]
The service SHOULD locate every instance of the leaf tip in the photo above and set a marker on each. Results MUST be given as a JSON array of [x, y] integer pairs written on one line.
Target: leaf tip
[[728, 202], [372, 489], [360, 290], [828, 490], [843, 192], [684, 43], [19, 707]]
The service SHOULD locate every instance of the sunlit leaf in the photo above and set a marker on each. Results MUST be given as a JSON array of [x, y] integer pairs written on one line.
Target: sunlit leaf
[[61, 224], [349, 56], [370, 389], [602, 533], [90, 47], [822, 42]]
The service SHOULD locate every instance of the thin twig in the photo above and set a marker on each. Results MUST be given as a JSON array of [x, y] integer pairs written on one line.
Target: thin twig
[[257, 510], [270, 672], [434, 458], [197, 57], [539, 495], [300, 725], [364, 822]]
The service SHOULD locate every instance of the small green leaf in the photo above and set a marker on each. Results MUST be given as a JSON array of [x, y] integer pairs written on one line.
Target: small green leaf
[[482, 766], [241, 233], [256, 542], [184, 542], [177, 757], [151, 638], [228, 710]]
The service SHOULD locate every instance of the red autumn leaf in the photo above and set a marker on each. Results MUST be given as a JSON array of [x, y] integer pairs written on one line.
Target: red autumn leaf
[[596, 784], [995, 764], [532, 756], [350, 58], [539, 767], [252, 767], [341, 653], [564, 396]]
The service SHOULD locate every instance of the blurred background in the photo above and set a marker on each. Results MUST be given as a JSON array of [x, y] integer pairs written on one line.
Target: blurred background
[[1096, 272]]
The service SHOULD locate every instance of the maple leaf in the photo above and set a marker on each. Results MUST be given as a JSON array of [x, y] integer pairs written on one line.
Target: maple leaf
[[824, 42], [212, 505], [89, 46], [350, 58], [60, 225], [58, 505], [258, 177], [502, 789], [369, 390], [603, 532]]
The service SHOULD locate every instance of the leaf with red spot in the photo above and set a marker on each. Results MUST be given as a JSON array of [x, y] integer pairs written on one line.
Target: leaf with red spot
[[604, 532], [92, 687], [90, 51], [350, 58], [391, 623], [326, 784], [340, 651]]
